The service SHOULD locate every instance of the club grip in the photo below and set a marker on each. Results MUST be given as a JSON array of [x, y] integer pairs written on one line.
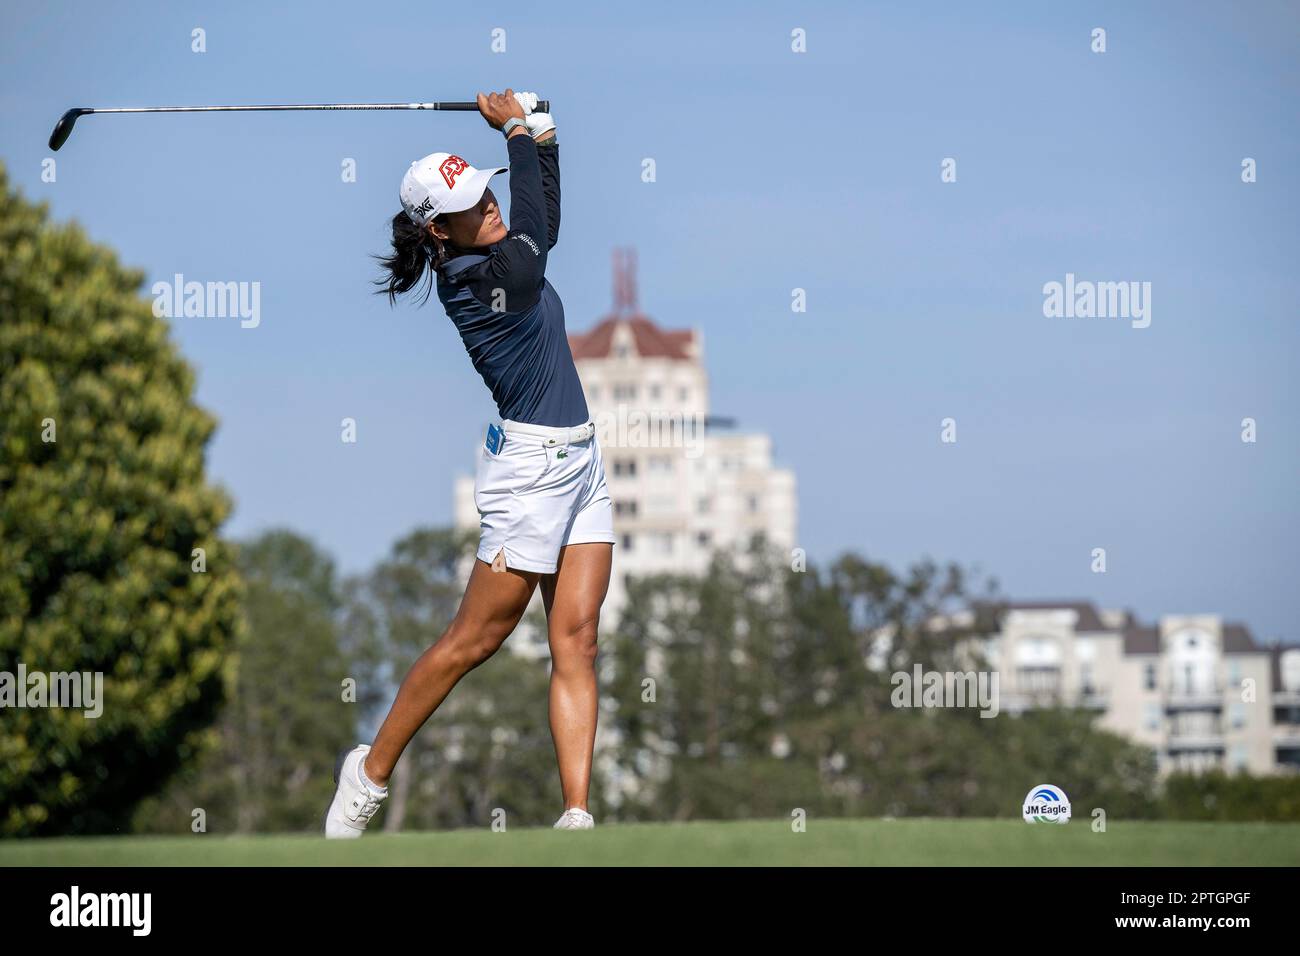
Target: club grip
[[543, 106]]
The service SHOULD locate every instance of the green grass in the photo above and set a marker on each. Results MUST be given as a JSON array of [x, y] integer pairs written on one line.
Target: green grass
[[907, 842]]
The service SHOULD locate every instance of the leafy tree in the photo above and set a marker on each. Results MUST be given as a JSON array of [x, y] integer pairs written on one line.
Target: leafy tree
[[1237, 796], [698, 682], [270, 766], [104, 508], [772, 691]]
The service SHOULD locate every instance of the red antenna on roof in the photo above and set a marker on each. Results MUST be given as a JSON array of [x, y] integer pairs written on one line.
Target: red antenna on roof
[[625, 281]]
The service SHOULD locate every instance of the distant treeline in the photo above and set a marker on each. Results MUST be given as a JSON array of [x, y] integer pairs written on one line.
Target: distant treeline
[[742, 693]]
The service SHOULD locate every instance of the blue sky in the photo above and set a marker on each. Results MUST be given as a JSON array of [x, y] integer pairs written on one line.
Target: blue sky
[[775, 171]]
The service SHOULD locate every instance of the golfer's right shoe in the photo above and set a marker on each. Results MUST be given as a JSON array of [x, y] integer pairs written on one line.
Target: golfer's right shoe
[[575, 819], [355, 801]]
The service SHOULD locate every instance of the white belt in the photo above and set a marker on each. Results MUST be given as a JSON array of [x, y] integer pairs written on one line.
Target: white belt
[[550, 435]]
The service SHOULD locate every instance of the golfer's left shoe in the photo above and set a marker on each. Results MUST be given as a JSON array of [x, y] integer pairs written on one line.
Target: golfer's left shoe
[[355, 800], [575, 819]]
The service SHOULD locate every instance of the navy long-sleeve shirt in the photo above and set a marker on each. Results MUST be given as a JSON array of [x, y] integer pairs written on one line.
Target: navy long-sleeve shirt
[[509, 317]]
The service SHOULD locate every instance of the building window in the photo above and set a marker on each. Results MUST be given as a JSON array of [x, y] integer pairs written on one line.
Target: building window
[[683, 393], [1240, 757], [661, 464], [1149, 676], [621, 351], [625, 509], [753, 504], [624, 393], [704, 539], [1195, 724], [1153, 716], [1290, 664], [1238, 714], [703, 506], [1038, 681], [656, 390], [626, 543], [663, 542], [595, 393], [625, 467]]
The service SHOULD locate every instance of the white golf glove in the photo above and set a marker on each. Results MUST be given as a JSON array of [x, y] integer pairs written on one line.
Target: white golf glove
[[539, 124], [528, 101]]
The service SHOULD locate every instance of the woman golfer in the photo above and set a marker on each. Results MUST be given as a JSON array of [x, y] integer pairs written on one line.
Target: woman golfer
[[540, 489]]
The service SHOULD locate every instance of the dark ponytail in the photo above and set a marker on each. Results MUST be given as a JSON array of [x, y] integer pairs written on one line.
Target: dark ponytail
[[417, 256]]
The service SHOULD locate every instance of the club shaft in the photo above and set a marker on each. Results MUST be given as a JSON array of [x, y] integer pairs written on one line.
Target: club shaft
[[63, 128], [542, 107]]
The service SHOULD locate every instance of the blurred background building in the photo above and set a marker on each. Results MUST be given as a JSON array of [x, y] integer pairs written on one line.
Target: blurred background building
[[1196, 689]]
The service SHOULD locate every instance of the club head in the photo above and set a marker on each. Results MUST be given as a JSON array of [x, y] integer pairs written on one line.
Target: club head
[[63, 128]]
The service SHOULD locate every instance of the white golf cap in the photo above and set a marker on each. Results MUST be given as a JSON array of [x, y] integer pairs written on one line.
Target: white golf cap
[[442, 182]]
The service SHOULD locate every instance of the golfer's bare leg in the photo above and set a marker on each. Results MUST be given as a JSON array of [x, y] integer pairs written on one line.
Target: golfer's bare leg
[[494, 602], [573, 596]]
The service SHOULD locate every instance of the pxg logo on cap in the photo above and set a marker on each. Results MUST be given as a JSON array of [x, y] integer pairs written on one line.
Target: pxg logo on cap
[[1047, 804]]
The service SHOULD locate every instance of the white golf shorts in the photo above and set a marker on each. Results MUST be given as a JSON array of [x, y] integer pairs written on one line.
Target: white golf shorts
[[543, 489]]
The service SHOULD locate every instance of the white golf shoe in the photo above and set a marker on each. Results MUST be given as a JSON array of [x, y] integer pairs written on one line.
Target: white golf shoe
[[575, 819], [355, 803]]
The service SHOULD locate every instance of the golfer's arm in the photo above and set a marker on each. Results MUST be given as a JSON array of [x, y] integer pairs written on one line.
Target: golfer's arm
[[518, 266], [527, 201], [548, 155]]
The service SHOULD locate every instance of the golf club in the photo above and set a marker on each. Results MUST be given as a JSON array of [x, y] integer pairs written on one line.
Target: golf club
[[63, 128]]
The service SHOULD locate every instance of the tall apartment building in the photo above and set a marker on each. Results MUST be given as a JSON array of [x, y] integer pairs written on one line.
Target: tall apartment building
[[684, 482], [1197, 690]]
